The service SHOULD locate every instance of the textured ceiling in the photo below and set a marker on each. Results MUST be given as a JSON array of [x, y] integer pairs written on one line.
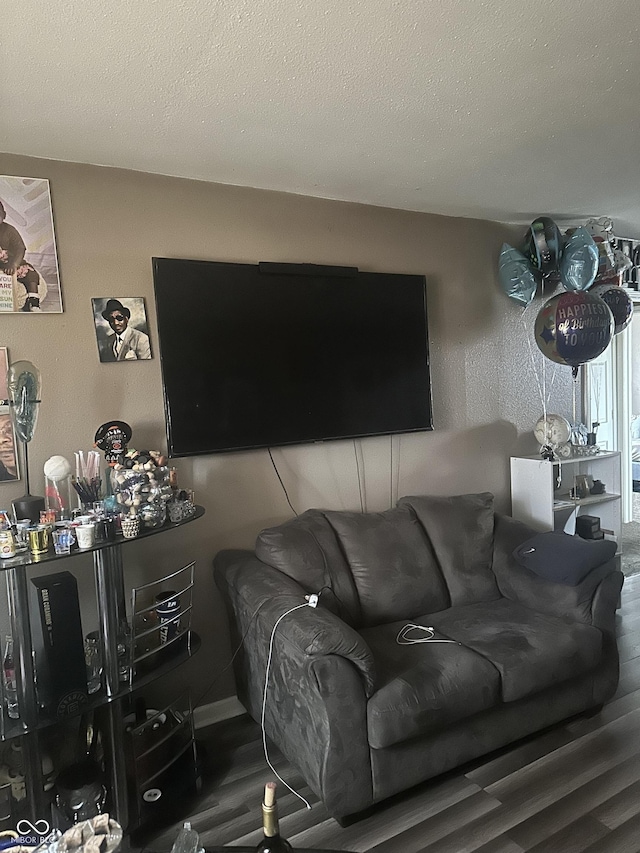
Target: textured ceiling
[[485, 108]]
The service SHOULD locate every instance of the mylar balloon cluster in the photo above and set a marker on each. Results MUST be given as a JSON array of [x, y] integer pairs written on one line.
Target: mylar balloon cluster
[[546, 252], [581, 257], [576, 326]]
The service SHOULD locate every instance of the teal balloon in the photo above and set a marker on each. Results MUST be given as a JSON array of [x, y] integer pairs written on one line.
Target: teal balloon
[[579, 261], [516, 275]]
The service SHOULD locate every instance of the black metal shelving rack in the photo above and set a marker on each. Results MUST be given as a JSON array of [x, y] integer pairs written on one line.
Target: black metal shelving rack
[[108, 569]]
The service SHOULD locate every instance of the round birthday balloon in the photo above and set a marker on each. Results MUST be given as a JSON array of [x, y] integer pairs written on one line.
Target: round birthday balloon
[[573, 328], [619, 303]]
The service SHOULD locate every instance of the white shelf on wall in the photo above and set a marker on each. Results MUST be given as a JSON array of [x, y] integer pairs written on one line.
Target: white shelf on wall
[[540, 491]]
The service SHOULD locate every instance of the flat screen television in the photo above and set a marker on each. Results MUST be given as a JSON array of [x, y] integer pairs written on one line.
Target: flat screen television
[[262, 355]]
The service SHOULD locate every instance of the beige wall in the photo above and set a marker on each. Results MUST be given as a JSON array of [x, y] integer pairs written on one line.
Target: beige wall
[[486, 373]]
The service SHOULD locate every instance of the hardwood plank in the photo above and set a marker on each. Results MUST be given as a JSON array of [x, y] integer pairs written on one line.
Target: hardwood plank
[[619, 808], [392, 818], [471, 836], [628, 647], [631, 584], [632, 589], [519, 756], [627, 622], [624, 839], [501, 844], [613, 710], [629, 677], [574, 838], [577, 805], [571, 766], [424, 834]]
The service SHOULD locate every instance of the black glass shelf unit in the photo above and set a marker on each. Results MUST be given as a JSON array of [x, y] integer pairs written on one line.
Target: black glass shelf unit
[[111, 598], [29, 559]]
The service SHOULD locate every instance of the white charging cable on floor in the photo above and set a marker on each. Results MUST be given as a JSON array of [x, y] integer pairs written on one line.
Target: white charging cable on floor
[[428, 636], [312, 601]]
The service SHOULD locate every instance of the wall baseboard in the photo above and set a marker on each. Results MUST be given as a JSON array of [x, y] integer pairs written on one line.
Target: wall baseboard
[[216, 712]]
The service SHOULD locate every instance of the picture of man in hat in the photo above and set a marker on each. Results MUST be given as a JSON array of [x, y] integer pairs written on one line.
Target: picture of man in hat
[[123, 341]]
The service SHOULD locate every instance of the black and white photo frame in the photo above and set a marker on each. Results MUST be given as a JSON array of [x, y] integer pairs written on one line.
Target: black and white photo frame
[[122, 332]]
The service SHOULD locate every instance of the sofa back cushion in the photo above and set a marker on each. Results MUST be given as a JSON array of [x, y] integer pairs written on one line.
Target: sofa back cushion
[[392, 563], [461, 532], [306, 550]]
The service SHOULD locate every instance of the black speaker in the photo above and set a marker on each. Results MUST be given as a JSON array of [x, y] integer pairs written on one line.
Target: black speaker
[[588, 527], [61, 675]]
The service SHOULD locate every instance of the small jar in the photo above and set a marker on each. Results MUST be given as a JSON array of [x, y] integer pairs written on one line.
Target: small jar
[[130, 526]]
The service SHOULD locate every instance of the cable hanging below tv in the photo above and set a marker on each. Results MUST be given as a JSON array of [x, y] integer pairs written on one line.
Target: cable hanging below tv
[[270, 354]]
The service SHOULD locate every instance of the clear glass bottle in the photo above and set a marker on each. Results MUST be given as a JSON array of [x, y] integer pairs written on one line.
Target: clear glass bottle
[[188, 840], [9, 680]]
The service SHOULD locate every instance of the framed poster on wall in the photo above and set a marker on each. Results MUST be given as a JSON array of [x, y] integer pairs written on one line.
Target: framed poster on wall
[[122, 332], [29, 275]]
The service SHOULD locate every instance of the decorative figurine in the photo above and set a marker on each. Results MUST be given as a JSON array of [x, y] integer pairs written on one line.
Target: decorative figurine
[[112, 438], [551, 432]]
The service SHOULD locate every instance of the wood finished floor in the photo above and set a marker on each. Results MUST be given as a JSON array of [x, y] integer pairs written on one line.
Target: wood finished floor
[[570, 789]]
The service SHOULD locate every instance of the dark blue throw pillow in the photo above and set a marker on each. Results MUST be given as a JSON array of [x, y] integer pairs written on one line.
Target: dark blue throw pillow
[[562, 558]]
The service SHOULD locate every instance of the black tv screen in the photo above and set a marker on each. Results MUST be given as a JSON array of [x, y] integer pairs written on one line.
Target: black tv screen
[[261, 355]]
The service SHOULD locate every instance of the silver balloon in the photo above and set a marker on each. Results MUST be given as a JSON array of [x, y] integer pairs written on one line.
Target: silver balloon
[[579, 261]]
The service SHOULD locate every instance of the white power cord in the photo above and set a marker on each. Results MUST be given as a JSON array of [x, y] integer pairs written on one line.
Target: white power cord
[[428, 635], [312, 601]]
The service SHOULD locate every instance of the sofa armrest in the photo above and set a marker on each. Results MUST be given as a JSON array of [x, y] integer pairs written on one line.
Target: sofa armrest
[[572, 602], [267, 594], [320, 677]]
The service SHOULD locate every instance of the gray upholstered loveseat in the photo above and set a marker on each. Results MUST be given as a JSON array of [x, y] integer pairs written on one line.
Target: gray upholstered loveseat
[[362, 716]]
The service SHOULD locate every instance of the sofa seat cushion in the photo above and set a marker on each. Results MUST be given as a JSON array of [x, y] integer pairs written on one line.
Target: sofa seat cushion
[[425, 687], [531, 650]]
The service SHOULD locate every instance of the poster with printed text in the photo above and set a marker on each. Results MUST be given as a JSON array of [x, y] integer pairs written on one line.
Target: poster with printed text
[[29, 274]]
